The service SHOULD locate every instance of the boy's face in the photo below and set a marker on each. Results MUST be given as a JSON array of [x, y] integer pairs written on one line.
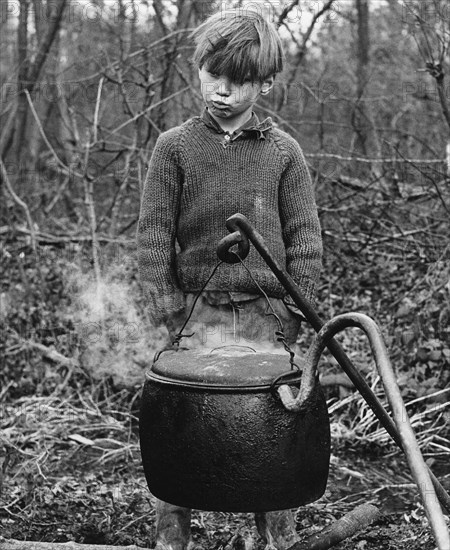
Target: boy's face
[[227, 100]]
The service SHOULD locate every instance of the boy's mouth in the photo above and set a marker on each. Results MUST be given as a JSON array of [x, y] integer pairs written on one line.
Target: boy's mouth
[[219, 105]]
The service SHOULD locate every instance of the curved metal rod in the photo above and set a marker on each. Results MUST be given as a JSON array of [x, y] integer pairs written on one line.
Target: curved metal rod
[[411, 448], [238, 222], [235, 238]]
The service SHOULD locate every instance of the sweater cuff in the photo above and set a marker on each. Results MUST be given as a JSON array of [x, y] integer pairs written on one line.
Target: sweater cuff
[[162, 306]]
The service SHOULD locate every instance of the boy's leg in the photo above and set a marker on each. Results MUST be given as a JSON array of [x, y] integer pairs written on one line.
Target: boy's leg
[[277, 529], [173, 526]]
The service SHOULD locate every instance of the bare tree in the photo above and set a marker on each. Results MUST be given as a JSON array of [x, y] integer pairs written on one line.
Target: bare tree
[[30, 68]]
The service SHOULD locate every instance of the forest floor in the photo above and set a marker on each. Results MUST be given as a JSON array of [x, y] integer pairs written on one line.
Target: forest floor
[[70, 387], [71, 471], [94, 491]]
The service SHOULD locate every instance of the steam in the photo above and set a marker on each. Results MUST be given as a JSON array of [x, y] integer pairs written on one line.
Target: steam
[[228, 339], [116, 337]]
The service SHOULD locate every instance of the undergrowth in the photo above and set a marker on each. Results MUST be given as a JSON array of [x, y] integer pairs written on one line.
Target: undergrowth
[[74, 354]]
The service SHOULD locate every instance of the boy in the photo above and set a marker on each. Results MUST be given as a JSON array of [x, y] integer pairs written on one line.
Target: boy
[[202, 172]]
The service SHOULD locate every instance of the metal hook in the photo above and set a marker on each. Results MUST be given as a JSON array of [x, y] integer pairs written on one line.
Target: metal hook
[[235, 238]]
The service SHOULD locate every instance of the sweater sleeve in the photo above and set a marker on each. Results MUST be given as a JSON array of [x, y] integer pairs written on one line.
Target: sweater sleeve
[[157, 230], [300, 222]]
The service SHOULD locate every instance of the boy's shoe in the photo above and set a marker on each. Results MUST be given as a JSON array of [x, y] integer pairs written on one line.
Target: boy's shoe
[[173, 527], [277, 529]]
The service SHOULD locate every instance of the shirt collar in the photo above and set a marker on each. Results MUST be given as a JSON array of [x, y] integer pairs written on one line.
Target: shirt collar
[[252, 125]]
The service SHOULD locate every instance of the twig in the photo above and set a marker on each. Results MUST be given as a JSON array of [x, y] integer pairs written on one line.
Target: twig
[[66, 169], [58, 195], [97, 109], [373, 160], [5, 390], [89, 201], [47, 238], [122, 187], [21, 203], [150, 108], [117, 63], [438, 191]]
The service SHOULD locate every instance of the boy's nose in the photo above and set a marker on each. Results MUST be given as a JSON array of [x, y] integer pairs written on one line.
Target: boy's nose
[[224, 91], [224, 88]]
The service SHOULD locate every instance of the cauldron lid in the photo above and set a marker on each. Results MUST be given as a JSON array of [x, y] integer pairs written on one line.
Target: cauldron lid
[[220, 368]]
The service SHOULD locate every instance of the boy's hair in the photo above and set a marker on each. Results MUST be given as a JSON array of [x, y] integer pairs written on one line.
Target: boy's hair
[[241, 45]]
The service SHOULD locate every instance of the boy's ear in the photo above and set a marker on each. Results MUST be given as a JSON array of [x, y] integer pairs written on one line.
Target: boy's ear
[[267, 85]]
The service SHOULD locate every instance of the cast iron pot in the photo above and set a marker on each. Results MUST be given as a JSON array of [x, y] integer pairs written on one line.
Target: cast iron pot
[[215, 436]]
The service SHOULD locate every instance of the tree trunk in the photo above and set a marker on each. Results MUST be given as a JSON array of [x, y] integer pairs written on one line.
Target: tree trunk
[[32, 135], [363, 119], [22, 107], [29, 72]]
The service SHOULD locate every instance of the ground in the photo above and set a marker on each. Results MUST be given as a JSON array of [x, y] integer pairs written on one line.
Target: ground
[[79, 477]]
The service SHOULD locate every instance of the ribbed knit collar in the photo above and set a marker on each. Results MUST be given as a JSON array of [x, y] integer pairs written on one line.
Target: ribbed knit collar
[[252, 125]]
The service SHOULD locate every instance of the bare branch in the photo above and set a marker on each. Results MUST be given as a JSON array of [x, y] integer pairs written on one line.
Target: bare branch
[[153, 106], [44, 137], [97, 109], [9, 544], [423, 173], [21, 203]]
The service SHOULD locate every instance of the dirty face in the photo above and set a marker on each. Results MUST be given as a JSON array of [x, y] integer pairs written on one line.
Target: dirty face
[[228, 100]]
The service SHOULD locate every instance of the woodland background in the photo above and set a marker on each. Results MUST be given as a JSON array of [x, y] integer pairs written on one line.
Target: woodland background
[[87, 87]]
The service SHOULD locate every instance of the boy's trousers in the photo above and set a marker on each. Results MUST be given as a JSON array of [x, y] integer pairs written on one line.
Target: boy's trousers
[[229, 319], [224, 318]]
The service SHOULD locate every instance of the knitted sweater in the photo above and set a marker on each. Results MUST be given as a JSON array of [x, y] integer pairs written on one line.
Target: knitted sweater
[[198, 177]]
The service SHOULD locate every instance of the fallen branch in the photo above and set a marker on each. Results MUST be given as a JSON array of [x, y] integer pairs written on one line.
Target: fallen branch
[[52, 354], [10, 544], [356, 520], [56, 357]]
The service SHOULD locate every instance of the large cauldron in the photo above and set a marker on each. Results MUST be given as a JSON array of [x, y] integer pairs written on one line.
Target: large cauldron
[[215, 435]]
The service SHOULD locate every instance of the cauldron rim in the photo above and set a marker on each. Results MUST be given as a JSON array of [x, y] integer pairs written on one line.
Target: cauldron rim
[[245, 372]]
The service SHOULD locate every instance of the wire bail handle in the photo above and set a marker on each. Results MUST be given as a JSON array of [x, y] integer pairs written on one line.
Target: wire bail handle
[[240, 228], [225, 255]]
